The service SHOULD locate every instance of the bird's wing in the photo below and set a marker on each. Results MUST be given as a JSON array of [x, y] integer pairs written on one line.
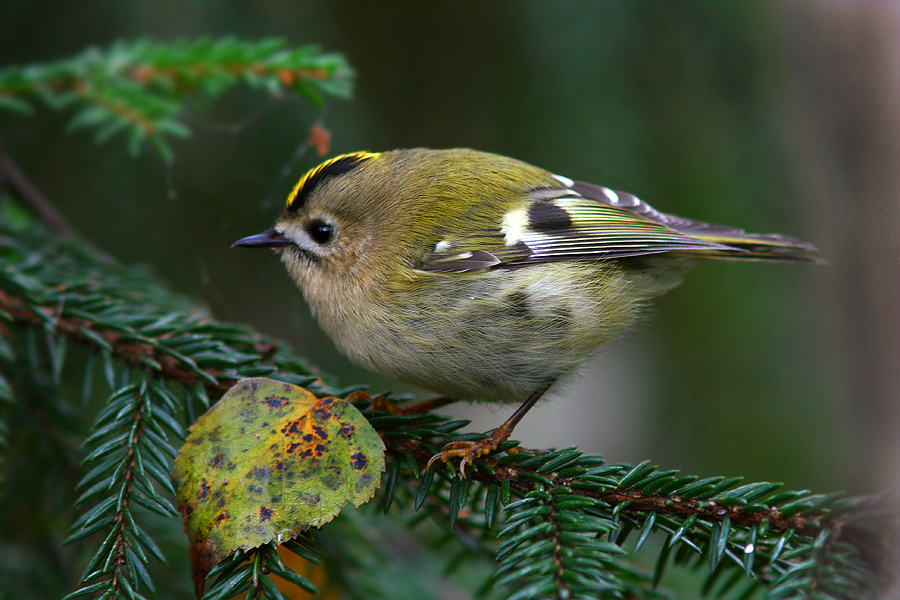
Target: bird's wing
[[577, 222], [583, 221]]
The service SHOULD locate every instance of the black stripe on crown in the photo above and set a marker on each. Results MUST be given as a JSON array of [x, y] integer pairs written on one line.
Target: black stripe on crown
[[328, 169]]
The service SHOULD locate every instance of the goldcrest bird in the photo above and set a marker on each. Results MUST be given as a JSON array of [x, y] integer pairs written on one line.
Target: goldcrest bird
[[482, 277]]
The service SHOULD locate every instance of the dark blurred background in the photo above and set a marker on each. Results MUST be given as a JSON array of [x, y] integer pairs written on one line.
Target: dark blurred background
[[772, 116]]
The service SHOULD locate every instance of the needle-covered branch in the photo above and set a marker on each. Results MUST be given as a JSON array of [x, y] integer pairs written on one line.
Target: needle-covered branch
[[142, 88], [795, 542]]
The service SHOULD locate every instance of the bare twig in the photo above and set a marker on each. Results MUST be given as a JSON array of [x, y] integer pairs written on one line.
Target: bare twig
[[11, 175]]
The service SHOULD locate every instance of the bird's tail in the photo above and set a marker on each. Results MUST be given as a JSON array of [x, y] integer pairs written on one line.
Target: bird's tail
[[735, 244]]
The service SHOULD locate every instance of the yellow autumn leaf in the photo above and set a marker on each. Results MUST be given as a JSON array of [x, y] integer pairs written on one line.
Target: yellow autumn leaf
[[267, 462]]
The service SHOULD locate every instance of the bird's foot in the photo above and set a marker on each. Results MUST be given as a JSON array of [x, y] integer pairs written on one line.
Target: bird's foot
[[469, 451]]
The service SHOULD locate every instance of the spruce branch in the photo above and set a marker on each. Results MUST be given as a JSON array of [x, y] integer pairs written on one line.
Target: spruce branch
[[730, 503], [141, 88], [793, 541], [128, 467], [251, 570], [130, 345]]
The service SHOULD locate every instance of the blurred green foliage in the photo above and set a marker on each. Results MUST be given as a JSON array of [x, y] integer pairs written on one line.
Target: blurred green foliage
[[703, 109], [688, 105]]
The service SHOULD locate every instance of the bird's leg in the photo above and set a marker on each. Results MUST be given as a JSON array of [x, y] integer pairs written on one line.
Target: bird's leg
[[469, 451], [382, 403]]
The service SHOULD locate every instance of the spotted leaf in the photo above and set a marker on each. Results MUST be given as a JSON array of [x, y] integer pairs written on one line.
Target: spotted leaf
[[268, 461]]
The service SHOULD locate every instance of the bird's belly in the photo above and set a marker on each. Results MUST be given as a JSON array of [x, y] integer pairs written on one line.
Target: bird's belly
[[493, 336]]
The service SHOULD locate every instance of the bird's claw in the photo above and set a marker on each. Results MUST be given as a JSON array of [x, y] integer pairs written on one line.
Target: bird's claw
[[467, 451]]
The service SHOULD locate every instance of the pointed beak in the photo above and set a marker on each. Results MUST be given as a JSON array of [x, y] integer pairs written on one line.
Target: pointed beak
[[267, 239]]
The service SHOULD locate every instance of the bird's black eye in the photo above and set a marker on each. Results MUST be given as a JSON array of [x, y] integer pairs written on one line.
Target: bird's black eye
[[320, 231]]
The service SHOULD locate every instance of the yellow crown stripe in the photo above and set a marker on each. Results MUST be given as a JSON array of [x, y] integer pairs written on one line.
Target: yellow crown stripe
[[330, 168]]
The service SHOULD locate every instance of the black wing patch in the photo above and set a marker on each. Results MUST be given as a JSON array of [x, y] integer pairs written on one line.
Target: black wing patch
[[547, 216]]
